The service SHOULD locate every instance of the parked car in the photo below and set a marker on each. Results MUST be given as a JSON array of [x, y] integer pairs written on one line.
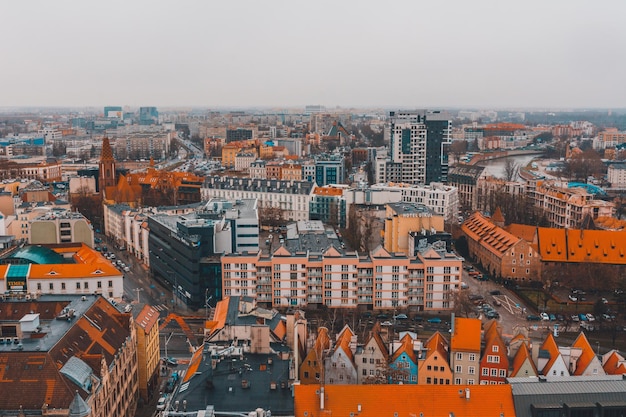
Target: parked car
[[552, 317], [545, 317], [492, 314], [495, 292], [171, 361], [401, 317], [583, 317], [434, 320], [590, 317], [575, 317], [532, 317], [572, 298], [386, 323], [418, 318], [161, 403]]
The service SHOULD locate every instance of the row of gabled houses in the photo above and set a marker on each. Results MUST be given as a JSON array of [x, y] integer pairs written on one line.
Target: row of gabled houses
[[472, 356]]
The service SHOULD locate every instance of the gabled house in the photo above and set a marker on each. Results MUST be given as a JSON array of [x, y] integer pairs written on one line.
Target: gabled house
[[372, 359], [465, 350], [614, 363], [523, 365], [312, 366], [340, 368], [403, 363], [494, 364], [583, 360], [435, 369], [550, 362]]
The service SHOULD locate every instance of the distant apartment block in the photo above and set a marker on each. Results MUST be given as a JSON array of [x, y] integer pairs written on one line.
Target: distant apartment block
[[61, 226], [402, 218], [304, 272]]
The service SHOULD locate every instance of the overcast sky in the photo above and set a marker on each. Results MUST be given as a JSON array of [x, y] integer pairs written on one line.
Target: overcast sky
[[434, 53]]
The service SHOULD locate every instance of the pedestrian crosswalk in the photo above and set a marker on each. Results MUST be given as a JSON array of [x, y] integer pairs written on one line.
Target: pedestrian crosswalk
[[160, 307]]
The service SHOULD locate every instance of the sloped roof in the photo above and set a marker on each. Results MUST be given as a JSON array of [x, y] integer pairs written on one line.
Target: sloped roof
[[586, 356], [523, 231], [466, 336], [437, 343], [574, 245], [614, 364], [375, 336], [147, 318], [550, 346], [404, 400], [493, 238], [405, 347], [521, 357], [38, 254], [343, 342]]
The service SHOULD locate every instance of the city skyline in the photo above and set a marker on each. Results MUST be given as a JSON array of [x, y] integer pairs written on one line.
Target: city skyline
[[351, 54]]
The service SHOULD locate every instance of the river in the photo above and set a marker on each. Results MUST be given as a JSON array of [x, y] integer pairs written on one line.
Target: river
[[495, 167]]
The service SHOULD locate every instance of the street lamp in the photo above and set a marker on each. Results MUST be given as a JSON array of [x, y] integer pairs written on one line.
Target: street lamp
[[206, 304]]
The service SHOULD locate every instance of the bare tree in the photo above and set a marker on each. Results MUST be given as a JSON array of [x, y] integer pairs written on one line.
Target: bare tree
[[458, 148], [463, 306], [511, 169]]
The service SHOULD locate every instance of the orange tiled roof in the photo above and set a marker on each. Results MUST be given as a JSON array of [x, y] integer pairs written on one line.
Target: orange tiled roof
[[495, 239], [405, 347], [147, 318], [586, 356], [466, 336], [437, 343], [404, 400], [343, 342], [615, 364], [521, 357], [551, 347], [523, 231], [572, 245], [88, 264], [379, 340]]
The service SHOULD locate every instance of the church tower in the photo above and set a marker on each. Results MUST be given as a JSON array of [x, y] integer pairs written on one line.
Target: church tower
[[106, 175]]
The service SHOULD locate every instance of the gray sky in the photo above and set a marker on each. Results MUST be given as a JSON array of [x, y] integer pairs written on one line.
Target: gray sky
[[544, 53]]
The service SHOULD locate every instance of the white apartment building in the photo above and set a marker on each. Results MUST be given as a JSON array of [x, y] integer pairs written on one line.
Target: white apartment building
[[442, 199], [616, 175], [292, 197]]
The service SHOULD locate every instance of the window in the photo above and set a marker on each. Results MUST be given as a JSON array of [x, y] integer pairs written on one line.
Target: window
[[364, 372], [457, 381], [471, 370], [502, 373], [458, 369], [459, 356], [494, 372], [63, 285], [364, 360], [428, 380], [39, 286], [306, 374], [110, 284], [485, 371], [99, 284], [51, 286], [495, 348], [472, 357], [85, 285], [78, 285], [470, 382]]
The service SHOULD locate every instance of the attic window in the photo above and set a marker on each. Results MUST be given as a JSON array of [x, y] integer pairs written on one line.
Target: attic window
[[97, 271], [52, 272]]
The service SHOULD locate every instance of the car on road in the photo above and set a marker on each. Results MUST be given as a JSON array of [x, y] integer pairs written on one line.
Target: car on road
[[575, 317], [572, 298], [532, 317], [126, 269], [434, 320], [590, 317], [583, 317], [495, 292], [382, 316], [464, 286], [544, 317], [170, 361], [492, 314], [386, 323], [552, 317], [401, 317], [161, 403]]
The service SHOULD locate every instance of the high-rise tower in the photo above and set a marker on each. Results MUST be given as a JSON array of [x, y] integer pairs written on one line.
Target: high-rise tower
[[419, 143]]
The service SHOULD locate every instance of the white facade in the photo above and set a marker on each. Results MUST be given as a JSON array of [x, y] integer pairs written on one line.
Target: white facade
[[617, 175], [442, 199]]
